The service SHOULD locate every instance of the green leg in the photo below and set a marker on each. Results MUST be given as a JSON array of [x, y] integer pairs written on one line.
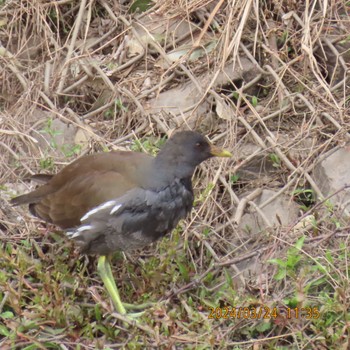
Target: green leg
[[105, 271]]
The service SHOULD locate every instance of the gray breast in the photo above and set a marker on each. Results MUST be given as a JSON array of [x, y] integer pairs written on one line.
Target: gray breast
[[160, 213], [134, 220]]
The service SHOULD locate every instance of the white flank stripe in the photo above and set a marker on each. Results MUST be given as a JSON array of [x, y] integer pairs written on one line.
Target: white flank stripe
[[97, 209], [84, 228], [76, 234], [116, 208], [70, 233]]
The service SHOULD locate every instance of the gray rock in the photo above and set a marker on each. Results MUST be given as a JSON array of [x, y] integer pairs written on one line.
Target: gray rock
[[55, 135], [332, 174], [281, 211]]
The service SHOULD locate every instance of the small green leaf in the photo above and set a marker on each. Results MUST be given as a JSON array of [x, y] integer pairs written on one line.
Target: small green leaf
[[7, 314], [4, 331], [141, 5], [206, 232], [281, 274], [235, 95], [31, 347], [183, 270], [234, 178], [228, 278], [98, 313], [300, 242], [263, 326], [278, 262], [254, 101]]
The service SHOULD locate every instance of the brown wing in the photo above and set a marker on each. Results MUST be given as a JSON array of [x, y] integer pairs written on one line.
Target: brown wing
[[67, 205], [84, 184]]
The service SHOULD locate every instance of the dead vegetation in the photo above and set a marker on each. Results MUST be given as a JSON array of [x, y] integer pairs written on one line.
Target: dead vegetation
[[267, 79]]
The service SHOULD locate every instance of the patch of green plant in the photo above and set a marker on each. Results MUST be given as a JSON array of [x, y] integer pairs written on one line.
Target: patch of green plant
[[282, 39], [206, 232], [112, 66], [15, 163], [329, 206], [315, 297], [49, 130], [141, 6], [203, 195], [235, 95], [248, 229], [46, 163], [71, 150], [118, 106], [53, 14], [304, 196], [275, 159], [184, 268], [67, 150], [149, 145], [254, 101], [289, 266], [234, 178]]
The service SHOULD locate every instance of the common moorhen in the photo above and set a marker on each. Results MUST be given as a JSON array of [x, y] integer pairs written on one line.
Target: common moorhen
[[122, 200]]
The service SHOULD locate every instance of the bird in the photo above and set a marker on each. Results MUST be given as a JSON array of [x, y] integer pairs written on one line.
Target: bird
[[121, 200]]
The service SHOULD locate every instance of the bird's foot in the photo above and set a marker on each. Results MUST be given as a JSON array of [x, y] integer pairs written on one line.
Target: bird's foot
[[135, 315], [138, 306]]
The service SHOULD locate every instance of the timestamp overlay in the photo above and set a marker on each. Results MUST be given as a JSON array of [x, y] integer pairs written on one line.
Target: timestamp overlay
[[263, 312]]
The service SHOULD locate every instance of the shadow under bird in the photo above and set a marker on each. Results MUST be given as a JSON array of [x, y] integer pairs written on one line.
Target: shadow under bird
[[122, 200]]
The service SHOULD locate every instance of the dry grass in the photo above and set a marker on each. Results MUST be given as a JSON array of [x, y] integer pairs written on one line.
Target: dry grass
[[274, 74]]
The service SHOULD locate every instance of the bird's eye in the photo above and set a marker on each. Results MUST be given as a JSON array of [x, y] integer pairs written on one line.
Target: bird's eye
[[198, 144]]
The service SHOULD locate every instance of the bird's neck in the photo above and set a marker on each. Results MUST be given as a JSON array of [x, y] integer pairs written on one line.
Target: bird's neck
[[164, 170]]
